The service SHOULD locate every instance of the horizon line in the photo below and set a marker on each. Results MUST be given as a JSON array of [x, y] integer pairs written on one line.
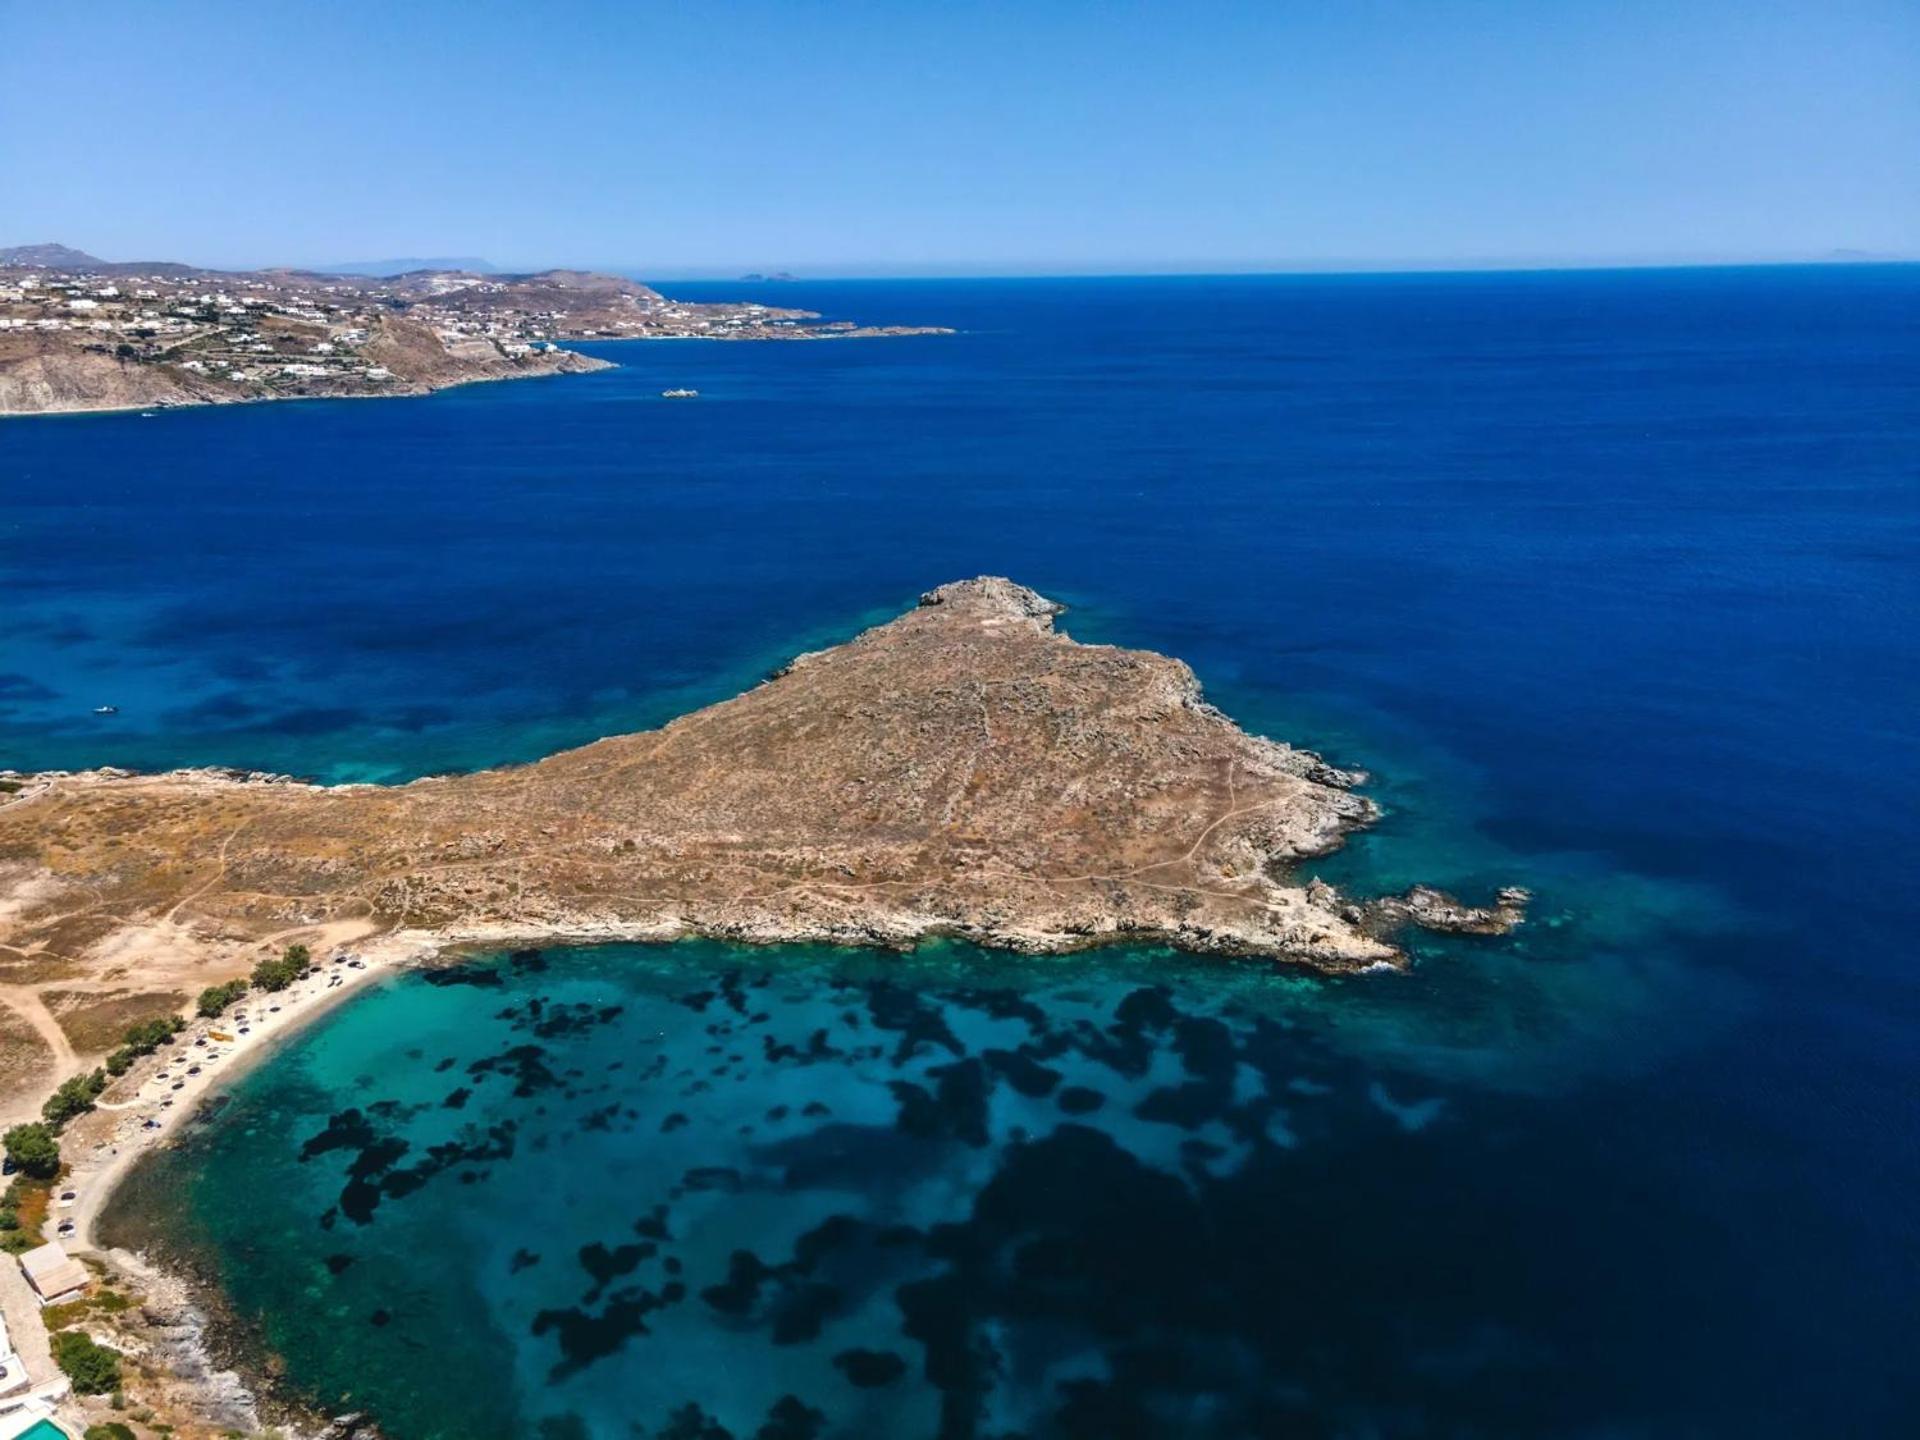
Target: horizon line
[[1836, 258], [719, 275]]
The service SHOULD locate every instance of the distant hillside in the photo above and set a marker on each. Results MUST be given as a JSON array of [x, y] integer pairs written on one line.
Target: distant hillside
[[171, 334], [406, 265], [49, 257], [65, 257]]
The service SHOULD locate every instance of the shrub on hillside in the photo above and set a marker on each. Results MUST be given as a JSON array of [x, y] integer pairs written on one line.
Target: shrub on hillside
[[92, 1367]]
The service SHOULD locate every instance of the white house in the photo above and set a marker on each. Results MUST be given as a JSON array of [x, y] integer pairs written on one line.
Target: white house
[[54, 1274]]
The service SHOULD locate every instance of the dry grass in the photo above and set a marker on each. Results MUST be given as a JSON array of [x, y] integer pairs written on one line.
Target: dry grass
[[37, 968], [26, 1065], [96, 1022]]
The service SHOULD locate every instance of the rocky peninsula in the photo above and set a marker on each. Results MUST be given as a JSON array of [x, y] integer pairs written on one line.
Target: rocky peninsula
[[963, 770]]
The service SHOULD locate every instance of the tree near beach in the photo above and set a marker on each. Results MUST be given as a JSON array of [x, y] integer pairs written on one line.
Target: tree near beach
[[34, 1150], [74, 1097], [216, 998], [273, 974], [143, 1039]]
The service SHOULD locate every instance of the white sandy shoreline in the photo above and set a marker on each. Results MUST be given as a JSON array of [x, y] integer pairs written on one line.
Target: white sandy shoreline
[[106, 1143], [272, 1019], [103, 1146]]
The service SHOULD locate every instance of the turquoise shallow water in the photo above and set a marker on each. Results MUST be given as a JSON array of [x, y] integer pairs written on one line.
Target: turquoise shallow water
[[1612, 580], [575, 1193]]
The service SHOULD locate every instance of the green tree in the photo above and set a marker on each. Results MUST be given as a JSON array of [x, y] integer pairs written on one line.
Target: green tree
[[34, 1150], [110, 1430], [143, 1039], [272, 973], [74, 1097], [150, 1035], [216, 998], [92, 1367]]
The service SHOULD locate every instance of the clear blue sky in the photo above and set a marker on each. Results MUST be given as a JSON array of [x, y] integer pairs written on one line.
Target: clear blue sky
[[855, 137]]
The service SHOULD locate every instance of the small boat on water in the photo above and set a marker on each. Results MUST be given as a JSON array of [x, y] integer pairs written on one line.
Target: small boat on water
[[679, 394], [106, 709]]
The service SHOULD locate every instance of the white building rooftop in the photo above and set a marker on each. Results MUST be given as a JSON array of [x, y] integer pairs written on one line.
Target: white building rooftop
[[53, 1273]]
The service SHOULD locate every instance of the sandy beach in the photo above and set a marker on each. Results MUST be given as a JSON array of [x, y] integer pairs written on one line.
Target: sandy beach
[[148, 1105]]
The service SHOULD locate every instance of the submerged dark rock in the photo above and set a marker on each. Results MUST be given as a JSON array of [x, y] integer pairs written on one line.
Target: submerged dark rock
[[791, 1419], [1079, 1100], [484, 977], [869, 1369], [585, 1338]]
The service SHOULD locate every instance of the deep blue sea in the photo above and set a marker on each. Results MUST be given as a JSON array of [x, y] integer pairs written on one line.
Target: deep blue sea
[[1611, 579]]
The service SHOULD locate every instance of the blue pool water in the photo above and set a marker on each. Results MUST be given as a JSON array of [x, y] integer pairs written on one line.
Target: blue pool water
[[1611, 580]]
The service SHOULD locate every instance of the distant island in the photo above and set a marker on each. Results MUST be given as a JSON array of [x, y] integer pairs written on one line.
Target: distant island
[[776, 275], [81, 333]]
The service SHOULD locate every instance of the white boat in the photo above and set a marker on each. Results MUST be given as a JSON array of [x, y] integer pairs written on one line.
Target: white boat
[[679, 394], [106, 709]]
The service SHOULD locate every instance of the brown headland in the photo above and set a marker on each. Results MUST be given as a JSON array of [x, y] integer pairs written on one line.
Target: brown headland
[[963, 770]]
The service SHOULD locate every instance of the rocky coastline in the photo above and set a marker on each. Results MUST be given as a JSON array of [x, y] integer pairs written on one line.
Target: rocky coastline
[[216, 1367], [51, 376]]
